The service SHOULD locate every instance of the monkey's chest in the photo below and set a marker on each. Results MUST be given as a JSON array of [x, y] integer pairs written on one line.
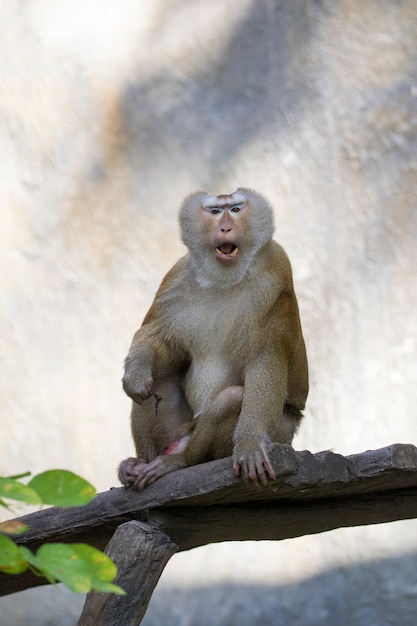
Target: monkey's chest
[[222, 333], [219, 340], [218, 357], [208, 329]]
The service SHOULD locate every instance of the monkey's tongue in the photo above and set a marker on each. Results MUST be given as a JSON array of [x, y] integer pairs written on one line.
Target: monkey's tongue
[[228, 249]]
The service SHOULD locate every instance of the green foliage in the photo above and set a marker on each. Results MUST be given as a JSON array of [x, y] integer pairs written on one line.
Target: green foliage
[[11, 559], [78, 566], [12, 489], [62, 488]]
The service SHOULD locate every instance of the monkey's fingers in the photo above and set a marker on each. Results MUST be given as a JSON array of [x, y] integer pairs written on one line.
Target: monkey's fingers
[[141, 481], [158, 467], [257, 470], [250, 470], [236, 468], [252, 467], [266, 460], [240, 468], [140, 484], [149, 473], [124, 471]]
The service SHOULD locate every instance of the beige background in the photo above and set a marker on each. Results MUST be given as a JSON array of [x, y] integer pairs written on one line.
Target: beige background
[[110, 113]]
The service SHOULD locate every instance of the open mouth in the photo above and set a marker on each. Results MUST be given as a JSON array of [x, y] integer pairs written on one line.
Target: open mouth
[[227, 251]]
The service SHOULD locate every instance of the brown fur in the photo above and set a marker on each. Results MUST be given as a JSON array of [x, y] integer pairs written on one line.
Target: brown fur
[[221, 346]]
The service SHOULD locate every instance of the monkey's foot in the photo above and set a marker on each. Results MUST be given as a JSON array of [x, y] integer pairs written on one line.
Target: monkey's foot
[[254, 466], [157, 468], [129, 470]]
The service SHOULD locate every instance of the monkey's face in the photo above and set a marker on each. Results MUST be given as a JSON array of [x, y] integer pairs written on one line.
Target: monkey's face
[[224, 234], [223, 220]]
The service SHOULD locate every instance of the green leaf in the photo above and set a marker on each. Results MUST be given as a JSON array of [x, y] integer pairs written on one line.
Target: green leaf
[[79, 566], [28, 556], [10, 488], [34, 565], [60, 561], [11, 561], [62, 488], [108, 588], [102, 568]]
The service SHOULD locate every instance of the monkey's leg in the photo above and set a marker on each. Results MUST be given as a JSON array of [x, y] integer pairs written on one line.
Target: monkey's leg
[[157, 429], [213, 428], [210, 438], [147, 435]]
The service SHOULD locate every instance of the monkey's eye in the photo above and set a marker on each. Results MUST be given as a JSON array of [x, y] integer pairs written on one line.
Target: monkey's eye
[[215, 211], [235, 209]]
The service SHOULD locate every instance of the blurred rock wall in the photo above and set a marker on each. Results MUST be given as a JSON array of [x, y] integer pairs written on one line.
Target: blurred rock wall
[[110, 113]]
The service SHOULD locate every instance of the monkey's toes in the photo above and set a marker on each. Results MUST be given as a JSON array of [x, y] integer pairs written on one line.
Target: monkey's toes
[[130, 469]]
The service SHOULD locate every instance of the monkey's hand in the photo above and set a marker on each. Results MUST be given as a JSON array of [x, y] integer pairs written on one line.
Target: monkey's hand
[[137, 382], [129, 470], [251, 460]]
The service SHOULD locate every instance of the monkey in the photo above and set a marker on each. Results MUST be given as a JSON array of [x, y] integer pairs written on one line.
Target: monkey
[[219, 366]]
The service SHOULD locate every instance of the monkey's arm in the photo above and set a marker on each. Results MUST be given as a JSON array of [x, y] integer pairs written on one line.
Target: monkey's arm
[[152, 353], [298, 375], [138, 376]]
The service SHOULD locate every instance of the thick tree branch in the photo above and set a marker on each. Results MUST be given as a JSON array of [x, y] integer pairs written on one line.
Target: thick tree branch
[[313, 493]]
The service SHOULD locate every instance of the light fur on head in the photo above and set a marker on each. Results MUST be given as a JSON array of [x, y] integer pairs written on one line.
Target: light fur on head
[[209, 273]]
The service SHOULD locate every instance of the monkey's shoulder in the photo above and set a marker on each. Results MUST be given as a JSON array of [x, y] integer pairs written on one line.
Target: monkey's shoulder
[[279, 256], [168, 290], [275, 263], [174, 277]]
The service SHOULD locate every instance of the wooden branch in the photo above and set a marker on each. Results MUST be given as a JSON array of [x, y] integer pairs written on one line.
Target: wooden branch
[[140, 553], [313, 493]]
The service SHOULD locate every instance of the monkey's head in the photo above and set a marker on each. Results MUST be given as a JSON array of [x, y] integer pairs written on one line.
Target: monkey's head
[[224, 233]]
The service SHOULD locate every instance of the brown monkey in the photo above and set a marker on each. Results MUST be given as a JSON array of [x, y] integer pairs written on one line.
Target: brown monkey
[[219, 366]]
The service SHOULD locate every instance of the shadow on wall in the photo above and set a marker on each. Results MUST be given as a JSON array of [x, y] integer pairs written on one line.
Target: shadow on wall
[[371, 593], [212, 111]]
